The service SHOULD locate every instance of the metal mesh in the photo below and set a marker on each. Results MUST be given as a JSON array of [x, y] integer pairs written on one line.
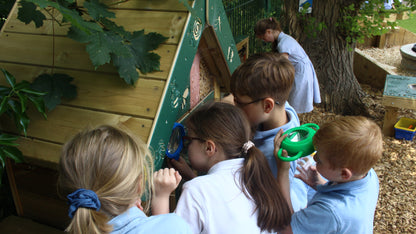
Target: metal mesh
[[243, 15]]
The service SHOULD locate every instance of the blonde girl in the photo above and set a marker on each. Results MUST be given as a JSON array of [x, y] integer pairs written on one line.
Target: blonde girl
[[103, 173]]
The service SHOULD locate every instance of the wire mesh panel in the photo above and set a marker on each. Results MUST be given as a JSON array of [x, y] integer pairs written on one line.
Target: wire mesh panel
[[243, 15]]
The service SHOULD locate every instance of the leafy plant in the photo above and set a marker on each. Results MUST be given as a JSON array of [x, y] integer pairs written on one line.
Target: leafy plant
[[106, 41], [15, 100]]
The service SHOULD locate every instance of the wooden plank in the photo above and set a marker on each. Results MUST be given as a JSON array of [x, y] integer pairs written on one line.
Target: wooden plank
[[13, 188], [64, 122], [45, 153], [390, 119], [160, 5], [399, 102], [18, 48], [102, 91], [169, 24], [15, 25]]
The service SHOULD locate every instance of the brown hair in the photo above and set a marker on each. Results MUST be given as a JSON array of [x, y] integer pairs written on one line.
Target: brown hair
[[264, 24], [352, 142], [264, 75], [113, 164], [228, 127]]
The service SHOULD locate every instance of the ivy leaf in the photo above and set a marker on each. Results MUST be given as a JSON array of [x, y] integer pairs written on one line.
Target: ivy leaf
[[28, 13], [98, 10], [56, 86]]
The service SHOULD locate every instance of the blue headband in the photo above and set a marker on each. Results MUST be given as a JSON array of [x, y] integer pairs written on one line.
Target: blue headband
[[82, 198]]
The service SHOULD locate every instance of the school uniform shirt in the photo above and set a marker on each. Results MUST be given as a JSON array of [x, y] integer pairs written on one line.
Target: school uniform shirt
[[134, 221], [264, 141], [305, 90], [340, 208], [214, 203]]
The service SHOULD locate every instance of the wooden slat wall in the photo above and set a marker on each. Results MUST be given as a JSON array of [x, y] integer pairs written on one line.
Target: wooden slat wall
[[103, 97]]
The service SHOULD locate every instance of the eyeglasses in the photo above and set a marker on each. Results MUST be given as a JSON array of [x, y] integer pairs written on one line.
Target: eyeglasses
[[242, 104], [187, 140]]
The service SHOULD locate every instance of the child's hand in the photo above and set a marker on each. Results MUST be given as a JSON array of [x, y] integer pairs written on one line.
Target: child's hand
[[184, 169], [281, 165], [165, 181], [310, 176]]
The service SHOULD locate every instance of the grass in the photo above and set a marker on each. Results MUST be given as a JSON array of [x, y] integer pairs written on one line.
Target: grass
[[409, 24]]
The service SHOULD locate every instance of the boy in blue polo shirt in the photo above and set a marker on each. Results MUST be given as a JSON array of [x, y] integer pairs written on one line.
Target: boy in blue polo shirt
[[347, 149], [261, 87]]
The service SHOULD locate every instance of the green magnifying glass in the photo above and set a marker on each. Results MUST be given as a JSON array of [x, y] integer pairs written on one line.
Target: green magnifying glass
[[298, 142]]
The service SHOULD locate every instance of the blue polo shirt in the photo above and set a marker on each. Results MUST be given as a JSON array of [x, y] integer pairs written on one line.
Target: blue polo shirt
[[340, 208]]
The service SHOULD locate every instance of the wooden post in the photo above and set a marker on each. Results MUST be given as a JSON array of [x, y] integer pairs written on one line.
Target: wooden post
[[390, 118], [13, 188]]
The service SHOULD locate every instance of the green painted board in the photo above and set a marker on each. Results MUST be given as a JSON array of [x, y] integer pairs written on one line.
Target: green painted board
[[176, 100], [400, 86]]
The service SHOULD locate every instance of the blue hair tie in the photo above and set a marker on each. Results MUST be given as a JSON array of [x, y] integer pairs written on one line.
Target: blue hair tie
[[82, 198]]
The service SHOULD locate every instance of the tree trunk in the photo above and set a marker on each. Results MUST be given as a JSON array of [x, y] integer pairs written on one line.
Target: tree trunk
[[331, 55]]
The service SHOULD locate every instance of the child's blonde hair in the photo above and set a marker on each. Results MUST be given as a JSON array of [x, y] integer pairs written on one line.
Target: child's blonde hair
[[352, 142], [264, 75], [113, 164]]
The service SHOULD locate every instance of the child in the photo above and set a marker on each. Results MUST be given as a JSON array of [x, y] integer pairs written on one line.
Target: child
[[239, 193], [305, 90], [347, 149], [260, 87], [104, 172]]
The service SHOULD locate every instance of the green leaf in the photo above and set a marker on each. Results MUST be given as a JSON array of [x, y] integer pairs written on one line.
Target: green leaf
[[22, 85], [78, 35], [5, 90], [154, 40], [23, 122], [56, 86], [13, 153], [2, 158], [44, 3], [73, 17], [110, 26], [103, 44], [39, 104], [3, 104], [28, 13], [29, 91], [23, 101], [98, 50], [9, 140], [98, 10], [126, 68], [9, 77]]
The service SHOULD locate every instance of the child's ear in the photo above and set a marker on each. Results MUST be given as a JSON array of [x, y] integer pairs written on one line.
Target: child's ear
[[211, 147], [346, 174], [268, 105]]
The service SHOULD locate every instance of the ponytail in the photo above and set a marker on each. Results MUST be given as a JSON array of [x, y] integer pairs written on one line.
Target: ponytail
[[86, 220], [273, 211]]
